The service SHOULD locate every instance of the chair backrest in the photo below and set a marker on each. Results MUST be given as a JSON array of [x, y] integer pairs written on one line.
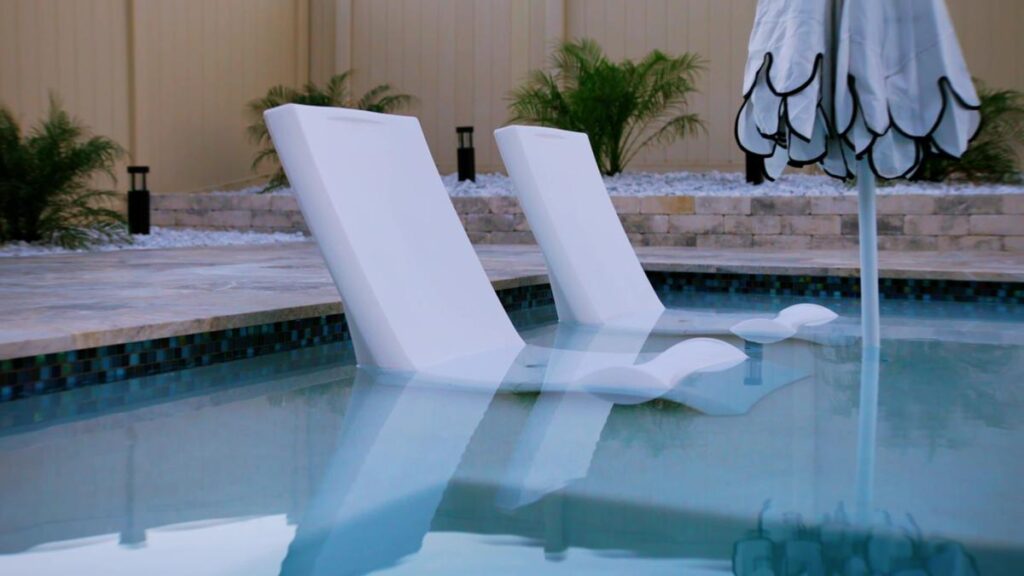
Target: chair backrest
[[594, 270], [415, 293]]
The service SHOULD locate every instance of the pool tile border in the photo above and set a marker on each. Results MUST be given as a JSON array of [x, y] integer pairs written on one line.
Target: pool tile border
[[30, 376], [56, 372], [46, 373], [839, 287]]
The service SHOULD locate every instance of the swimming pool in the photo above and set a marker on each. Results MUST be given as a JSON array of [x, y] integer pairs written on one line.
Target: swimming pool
[[298, 463]]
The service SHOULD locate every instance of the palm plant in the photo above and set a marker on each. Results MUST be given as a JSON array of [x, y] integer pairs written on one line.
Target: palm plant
[[623, 106], [994, 154], [335, 93], [46, 182]]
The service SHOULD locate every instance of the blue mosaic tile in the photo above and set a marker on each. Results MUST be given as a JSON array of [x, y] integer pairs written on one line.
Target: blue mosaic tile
[[839, 287], [79, 369]]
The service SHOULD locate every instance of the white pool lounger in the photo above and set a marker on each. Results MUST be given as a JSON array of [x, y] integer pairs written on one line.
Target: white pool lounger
[[596, 276], [416, 297], [395, 454]]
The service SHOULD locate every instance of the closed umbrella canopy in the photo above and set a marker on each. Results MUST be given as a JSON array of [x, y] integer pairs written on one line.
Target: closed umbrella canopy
[[866, 88], [784, 113], [837, 81]]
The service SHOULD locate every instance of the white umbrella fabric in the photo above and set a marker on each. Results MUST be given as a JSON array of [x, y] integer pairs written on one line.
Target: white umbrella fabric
[[864, 88]]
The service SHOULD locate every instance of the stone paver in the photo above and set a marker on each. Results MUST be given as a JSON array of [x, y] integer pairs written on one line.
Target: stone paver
[[63, 302]]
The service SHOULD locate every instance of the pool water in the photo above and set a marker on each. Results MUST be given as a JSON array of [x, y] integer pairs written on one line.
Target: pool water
[[298, 463]]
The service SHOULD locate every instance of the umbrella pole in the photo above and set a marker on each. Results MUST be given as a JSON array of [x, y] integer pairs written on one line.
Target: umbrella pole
[[868, 254], [866, 426]]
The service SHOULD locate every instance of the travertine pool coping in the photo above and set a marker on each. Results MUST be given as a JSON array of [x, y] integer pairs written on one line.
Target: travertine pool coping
[[66, 302]]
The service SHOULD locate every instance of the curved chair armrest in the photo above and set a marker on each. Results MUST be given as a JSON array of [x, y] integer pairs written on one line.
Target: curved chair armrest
[[785, 324], [642, 382]]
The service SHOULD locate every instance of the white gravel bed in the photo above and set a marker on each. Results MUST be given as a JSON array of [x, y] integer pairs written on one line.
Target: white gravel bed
[[726, 184], [163, 238], [710, 184]]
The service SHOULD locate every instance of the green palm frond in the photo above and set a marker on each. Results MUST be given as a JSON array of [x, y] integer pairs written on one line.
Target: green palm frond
[[336, 89], [334, 93], [44, 182], [624, 107], [995, 153]]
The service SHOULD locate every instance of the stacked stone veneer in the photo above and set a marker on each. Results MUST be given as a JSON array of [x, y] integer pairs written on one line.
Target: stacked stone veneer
[[905, 222], [261, 212]]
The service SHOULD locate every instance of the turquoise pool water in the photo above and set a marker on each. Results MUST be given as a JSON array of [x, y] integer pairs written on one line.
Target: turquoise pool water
[[300, 464]]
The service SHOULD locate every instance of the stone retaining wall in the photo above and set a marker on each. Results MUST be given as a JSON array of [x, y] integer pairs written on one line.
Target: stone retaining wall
[[976, 222], [260, 212]]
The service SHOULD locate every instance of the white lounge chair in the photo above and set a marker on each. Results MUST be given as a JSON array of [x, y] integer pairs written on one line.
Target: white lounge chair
[[398, 448], [416, 297], [595, 273]]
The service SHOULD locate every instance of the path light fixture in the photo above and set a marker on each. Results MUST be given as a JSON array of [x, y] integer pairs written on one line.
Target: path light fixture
[[466, 153], [755, 169], [138, 202]]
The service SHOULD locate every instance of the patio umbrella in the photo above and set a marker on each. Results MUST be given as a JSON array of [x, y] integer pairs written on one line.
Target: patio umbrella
[[865, 88]]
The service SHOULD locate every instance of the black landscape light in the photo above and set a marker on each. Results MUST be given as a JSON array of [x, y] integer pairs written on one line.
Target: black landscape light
[[466, 153], [755, 169], [138, 202]]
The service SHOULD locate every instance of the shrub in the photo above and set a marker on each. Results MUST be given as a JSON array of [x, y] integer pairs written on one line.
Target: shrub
[[623, 106], [335, 93], [46, 179], [994, 154]]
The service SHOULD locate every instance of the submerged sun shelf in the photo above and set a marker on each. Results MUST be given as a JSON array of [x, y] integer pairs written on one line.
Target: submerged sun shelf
[[416, 297]]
